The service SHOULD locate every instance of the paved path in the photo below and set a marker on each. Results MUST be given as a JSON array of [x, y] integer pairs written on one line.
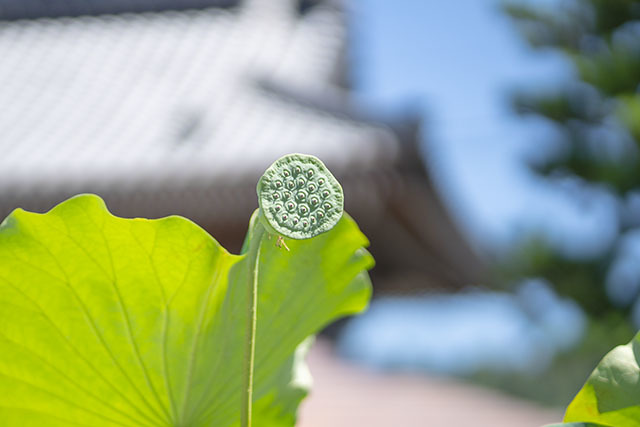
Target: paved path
[[349, 396]]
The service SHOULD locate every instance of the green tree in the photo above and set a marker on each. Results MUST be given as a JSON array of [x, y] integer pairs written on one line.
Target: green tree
[[598, 118], [597, 115]]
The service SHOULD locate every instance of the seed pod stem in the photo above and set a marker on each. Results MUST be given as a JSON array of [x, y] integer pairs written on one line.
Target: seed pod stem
[[253, 257], [299, 198]]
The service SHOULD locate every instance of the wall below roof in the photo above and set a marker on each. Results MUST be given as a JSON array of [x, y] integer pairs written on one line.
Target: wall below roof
[[32, 9]]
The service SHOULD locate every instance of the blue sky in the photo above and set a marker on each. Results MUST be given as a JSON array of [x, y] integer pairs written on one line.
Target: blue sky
[[458, 61]]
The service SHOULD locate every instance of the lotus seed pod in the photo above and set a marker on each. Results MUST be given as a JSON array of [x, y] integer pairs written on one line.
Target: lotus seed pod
[[315, 206]]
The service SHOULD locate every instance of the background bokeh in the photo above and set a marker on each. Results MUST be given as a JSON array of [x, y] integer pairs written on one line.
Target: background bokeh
[[530, 117]]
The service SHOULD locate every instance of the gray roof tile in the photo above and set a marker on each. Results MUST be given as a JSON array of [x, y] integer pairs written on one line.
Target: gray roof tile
[[138, 102]]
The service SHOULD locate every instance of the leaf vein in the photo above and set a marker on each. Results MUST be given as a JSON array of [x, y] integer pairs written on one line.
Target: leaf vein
[[127, 320], [69, 379], [201, 316]]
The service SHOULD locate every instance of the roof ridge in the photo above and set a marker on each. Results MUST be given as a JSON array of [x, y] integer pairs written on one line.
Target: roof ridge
[[13, 10]]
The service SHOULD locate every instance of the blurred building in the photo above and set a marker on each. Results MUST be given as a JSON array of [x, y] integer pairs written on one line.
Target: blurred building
[[177, 107]]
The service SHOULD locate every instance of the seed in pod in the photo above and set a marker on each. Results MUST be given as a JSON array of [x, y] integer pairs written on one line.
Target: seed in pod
[[306, 174]]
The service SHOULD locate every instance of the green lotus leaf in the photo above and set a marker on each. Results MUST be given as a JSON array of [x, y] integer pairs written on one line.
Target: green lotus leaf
[[611, 395], [107, 321], [576, 425]]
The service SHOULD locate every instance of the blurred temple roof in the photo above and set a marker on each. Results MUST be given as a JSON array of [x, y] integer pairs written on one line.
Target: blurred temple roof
[[177, 107]]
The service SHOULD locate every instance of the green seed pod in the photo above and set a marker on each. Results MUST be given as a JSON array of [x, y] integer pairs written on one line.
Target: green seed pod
[[312, 176]]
